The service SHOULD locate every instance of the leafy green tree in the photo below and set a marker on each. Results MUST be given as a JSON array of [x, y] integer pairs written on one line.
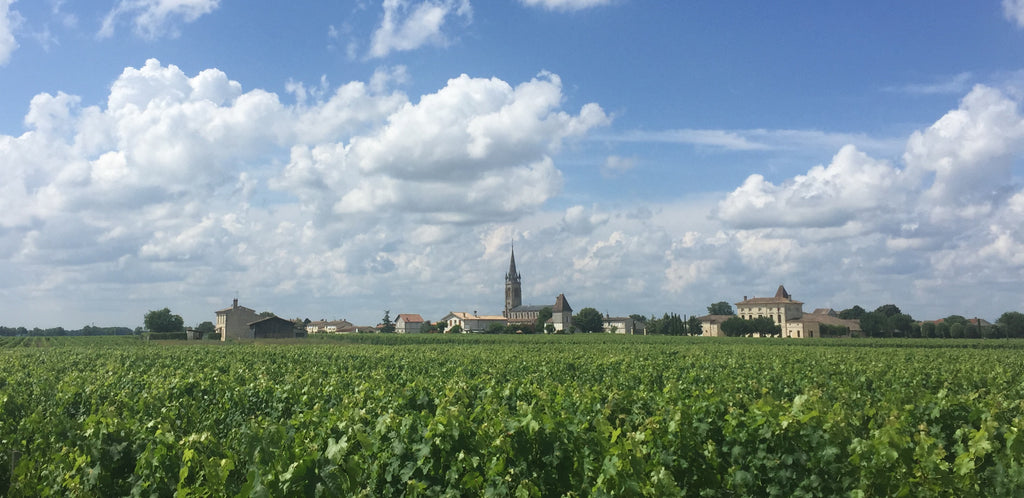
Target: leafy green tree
[[638, 318], [387, 326], [495, 328], [736, 327], [1011, 324], [915, 330], [873, 324], [206, 328], [542, 317], [588, 320], [693, 326], [720, 308], [942, 330], [765, 326], [899, 325], [854, 313], [888, 310], [673, 324], [266, 314], [956, 331], [163, 321], [928, 329], [972, 330], [456, 329]]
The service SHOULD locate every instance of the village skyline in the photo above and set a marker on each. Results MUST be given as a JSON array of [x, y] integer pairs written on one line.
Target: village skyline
[[382, 154]]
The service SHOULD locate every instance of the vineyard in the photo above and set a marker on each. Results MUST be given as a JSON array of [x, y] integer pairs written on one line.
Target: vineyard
[[511, 416]]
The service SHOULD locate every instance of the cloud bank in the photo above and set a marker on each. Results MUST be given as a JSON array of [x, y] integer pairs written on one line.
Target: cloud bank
[[181, 190]]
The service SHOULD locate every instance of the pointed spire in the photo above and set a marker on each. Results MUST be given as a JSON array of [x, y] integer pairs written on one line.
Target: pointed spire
[[512, 273], [781, 293]]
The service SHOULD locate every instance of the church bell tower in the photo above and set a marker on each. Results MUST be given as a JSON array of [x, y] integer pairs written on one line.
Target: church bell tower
[[513, 286]]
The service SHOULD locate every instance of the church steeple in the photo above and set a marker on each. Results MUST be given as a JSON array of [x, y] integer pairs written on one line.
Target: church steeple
[[513, 285]]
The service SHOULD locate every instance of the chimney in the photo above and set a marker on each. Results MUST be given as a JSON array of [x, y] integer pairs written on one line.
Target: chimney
[[234, 304]]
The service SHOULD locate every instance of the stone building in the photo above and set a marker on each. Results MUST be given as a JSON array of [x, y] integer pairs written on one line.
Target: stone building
[[785, 311], [233, 322], [517, 313]]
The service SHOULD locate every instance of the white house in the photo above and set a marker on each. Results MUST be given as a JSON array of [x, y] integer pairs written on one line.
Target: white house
[[470, 322]]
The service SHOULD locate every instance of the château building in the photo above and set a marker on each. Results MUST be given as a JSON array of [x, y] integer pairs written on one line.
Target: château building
[[785, 311]]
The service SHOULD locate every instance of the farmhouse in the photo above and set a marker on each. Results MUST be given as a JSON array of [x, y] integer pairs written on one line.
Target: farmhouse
[[621, 325], [233, 322], [408, 323], [469, 322]]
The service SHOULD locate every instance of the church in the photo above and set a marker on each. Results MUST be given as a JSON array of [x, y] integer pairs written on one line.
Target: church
[[515, 312]]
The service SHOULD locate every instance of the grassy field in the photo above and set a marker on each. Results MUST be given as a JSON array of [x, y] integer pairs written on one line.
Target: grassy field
[[473, 415]]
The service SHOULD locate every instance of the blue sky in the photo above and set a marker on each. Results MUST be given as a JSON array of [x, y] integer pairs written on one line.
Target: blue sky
[[335, 159]]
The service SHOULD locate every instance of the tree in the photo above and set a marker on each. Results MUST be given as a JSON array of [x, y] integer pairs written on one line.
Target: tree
[[673, 324], [693, 326], [206, 328], [542, 317], [942, 330], [899, 325], [736, 327], [456, 329], [888, 310], [720, 308], [588, 320], [638, 318], [765, 326], [163, 321], [928, 329], [956, 331], [1011, 324], [266, 314], [873, 324], [854, 313], [387, 326]]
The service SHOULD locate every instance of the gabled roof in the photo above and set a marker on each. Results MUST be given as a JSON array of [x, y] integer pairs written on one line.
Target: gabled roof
[[409, 318], [561, 305], [235, 308], [781, 293]]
